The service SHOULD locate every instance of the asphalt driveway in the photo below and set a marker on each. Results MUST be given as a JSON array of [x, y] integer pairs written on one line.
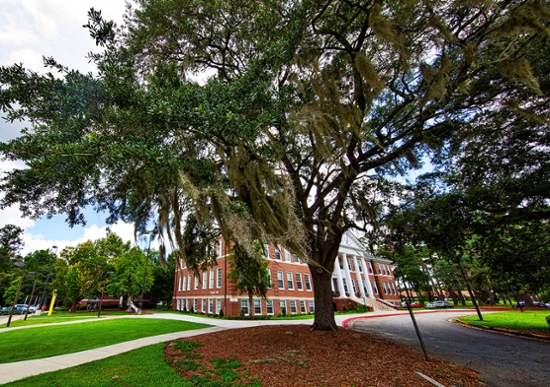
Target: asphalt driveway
[[502, 360]]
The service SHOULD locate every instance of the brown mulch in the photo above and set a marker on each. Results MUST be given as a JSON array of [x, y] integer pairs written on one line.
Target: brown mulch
[[291, 355]]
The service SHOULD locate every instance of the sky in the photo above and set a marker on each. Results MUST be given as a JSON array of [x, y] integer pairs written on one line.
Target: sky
[[29, 30]]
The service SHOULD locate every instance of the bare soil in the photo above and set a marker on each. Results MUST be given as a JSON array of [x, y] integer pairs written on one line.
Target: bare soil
[[291, 355]]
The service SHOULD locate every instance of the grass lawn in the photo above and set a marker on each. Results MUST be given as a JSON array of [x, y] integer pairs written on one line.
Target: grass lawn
[[512, 320], [57, 317], [39, 342], [141, 367]]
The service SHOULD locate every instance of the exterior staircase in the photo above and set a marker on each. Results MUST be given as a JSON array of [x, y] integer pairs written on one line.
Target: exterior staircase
[[379, 305], [375, 304]]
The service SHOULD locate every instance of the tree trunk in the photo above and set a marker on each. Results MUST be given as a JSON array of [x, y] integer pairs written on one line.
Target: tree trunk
[[251, 305], [74, 304], [324, 305]]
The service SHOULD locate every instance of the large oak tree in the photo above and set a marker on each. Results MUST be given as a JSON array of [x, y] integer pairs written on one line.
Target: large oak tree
[[308, 108]]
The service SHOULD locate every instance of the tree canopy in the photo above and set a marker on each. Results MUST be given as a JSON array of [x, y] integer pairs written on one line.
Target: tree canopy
[[310, 109]]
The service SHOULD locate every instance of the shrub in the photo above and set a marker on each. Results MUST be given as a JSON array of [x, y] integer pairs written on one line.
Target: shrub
[[548, 319]]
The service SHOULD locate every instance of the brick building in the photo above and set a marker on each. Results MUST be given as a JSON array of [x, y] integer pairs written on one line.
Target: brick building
[[358, 277]]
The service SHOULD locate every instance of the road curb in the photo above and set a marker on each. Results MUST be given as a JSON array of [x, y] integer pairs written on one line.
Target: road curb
[[396, 313], [504, 330]]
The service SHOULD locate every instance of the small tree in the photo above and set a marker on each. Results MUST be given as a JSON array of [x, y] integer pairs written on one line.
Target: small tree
[[129, 274], [249, 273]]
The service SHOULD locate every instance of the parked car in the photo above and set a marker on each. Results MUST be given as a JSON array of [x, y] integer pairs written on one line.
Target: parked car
[[23, 308], [539, 304], [7, 309], [520, 304], [413, 305], [439, 304]]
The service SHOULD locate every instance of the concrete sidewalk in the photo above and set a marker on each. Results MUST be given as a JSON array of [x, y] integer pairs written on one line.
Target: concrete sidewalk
[[18, 370]]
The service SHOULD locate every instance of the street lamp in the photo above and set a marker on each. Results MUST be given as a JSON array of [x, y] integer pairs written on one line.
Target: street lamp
[[32, 293], [19, 264], [102, 293]]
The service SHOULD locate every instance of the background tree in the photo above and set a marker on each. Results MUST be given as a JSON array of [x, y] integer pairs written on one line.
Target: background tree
[[129, 274], [248, 274], [162, 289], [11, 243], [81, 271], [311, 108]]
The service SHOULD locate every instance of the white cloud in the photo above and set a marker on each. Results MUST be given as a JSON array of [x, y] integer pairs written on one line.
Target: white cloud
[[12, 33], [11, 215], [35, 242]]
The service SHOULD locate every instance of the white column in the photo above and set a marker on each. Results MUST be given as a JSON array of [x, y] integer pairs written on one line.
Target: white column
[[358, 278], [348, 276], [339, 278], [367, 280]]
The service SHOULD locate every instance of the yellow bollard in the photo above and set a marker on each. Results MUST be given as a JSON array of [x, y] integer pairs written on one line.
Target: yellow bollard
[[54, 296]]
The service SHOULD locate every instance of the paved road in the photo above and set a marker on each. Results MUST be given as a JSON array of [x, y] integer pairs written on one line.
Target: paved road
[[502, 360]]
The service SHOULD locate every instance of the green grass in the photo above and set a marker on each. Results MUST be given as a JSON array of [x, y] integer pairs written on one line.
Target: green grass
[[141, 367], [511, 320], [57, 317], [55, 340]]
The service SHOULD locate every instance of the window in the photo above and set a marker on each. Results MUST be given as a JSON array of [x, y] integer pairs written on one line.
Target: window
[[188, 304], [218, 305], [196, 283], [340, 263], [296, 259], [384, 286], [308, 282], [179, 283], [290, 281], [266, 251], [353, 286], [204, 279], [219, 277], [370, 267], [181, 264], [349, 263], [244, 306], [365, 286], [277, 253], [393, 289], [280, 280], [299, 285], [269, 283], [269, 307], [184, 278], [360, 266], [211, 283], [282, 304], [203, 307], [195, 305], [311, 306], [189, 282], [303, 306], [257, 306], [375, 287], [210, 306], [293, 309], [287, 255]]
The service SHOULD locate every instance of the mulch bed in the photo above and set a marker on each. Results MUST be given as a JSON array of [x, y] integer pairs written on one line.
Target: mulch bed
[[291, 355]]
